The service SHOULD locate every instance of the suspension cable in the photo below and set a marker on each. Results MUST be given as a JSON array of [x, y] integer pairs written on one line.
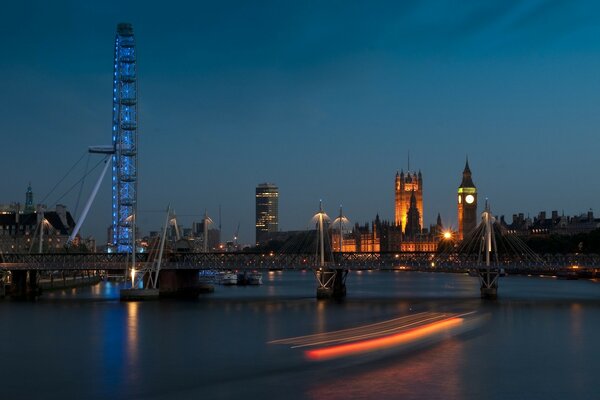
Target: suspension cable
[[83, 177], [64, 177]]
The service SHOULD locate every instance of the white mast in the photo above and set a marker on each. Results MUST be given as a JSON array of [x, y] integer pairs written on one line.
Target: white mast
[[205, 222], [133, 248], [322, 239], [341, 218], [89, 203], [40, 249], [205, 233], [162, 247]]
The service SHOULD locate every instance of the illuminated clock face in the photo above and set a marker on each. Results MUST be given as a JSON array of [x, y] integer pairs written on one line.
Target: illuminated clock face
[[469, 199]]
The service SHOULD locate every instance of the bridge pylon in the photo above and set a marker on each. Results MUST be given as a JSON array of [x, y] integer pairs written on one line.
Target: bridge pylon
[[490, 272], [331, 281]]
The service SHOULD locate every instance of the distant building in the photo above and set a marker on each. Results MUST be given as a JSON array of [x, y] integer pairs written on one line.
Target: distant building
[[467, 204], [414, 239], [383, 236], [413, 218], [214, 239], [267, 211], [20, 232], [213, 235], [29, 207], [184, 239], [541, 225], [407, 186], [20, 227]]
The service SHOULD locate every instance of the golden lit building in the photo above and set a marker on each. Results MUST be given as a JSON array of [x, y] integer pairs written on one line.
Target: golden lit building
[[385, 236], [406, 186], [369, 241], [361, 239], [426, 246], [348, 242]]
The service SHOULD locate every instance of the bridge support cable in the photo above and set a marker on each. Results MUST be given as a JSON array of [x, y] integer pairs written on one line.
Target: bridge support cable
[[63, 178]]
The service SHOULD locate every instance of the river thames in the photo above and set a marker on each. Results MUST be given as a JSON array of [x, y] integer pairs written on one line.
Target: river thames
[[537, 341]]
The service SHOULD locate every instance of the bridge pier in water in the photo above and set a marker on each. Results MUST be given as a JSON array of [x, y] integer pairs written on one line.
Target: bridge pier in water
[[24, 284], [331, 283], [183, 283], [489, 283]]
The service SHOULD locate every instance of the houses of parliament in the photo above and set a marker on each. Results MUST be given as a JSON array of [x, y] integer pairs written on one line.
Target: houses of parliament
[[406, 233]]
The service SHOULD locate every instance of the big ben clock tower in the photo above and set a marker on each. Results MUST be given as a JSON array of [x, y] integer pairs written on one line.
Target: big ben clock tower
[[467, 204]]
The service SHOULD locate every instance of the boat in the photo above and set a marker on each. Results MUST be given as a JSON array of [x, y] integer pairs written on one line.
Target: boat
[[249, 278], [208, 276], [228, 278], [254, 278], [567, 275]]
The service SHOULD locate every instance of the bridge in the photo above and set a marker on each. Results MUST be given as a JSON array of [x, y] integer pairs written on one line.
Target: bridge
[[179, 271], [547, 263]]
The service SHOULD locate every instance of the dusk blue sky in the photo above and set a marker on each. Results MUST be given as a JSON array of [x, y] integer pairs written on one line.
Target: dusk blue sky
[[324, 99]]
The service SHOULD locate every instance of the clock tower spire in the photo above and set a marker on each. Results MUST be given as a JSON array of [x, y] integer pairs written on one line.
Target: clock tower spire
[[467, 203]]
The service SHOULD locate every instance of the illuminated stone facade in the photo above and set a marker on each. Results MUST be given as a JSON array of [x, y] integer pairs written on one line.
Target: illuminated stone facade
[[384, 236], [406, 186]]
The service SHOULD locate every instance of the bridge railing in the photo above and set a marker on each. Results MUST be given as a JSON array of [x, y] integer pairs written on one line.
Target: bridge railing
[[245, 260]]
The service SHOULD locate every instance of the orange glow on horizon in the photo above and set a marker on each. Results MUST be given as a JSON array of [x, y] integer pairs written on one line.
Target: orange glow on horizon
[[381, 343]]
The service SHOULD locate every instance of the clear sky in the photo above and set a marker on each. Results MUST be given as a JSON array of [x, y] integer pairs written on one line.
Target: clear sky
[[324, 99]]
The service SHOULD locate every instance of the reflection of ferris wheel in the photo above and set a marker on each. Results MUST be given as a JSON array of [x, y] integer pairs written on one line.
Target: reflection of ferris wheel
[[124, 139]]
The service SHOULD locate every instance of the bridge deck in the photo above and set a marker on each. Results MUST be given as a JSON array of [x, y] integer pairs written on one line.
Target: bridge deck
[[266, 261]]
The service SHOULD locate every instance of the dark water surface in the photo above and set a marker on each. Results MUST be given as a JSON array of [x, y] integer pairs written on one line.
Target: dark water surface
[[538, 341]]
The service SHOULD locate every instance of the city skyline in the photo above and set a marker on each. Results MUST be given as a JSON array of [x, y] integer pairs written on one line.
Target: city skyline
[[339, 99]]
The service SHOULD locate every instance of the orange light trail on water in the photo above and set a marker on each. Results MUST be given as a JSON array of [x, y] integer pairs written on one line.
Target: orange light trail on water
[[381, 343]]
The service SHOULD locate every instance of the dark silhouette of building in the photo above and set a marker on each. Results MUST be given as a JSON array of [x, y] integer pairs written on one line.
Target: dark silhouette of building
[[413, 217], [29, 207], [467, 204], [541, 225]]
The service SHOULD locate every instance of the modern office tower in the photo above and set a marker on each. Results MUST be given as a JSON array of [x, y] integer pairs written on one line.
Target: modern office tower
[[406, 186], [267, 211], [467, 204], [124, 139]]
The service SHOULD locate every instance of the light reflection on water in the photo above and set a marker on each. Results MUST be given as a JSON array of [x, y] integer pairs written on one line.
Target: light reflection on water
[[132, 332], [90, 345], [415, 377]]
